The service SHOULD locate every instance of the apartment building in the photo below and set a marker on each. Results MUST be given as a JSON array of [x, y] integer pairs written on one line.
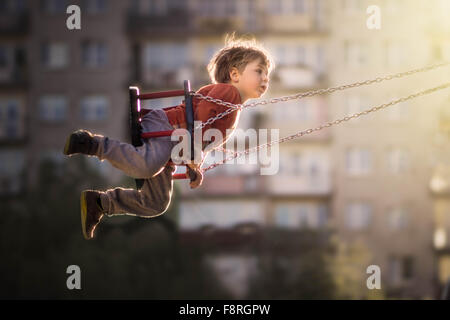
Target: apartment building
[[373, 179], [55, 80], [438, 33], [14, 86], [382, 161]]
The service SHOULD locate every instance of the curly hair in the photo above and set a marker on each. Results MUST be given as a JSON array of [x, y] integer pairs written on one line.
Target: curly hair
[[237, 52]]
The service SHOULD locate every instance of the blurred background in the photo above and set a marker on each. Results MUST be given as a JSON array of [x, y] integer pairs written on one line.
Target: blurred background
[[371, 191]]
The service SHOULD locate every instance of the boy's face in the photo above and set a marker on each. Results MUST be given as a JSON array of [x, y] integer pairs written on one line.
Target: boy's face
[[253, 82]]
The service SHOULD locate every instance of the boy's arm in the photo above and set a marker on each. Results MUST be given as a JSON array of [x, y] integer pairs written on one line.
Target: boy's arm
[[206, 110], [195, 172]]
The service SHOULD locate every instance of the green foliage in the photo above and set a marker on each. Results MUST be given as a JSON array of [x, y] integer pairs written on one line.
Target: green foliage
[[130, 258]]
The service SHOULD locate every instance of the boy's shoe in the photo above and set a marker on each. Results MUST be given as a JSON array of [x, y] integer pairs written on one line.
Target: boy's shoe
[[81, 141], [91, 212]]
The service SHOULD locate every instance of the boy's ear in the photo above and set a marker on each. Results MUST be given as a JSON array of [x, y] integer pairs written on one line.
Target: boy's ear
[[234, 74]]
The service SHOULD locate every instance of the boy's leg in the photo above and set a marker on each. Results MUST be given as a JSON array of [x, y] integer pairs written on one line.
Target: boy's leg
[[152, 200], [147, 160], [141, 162]]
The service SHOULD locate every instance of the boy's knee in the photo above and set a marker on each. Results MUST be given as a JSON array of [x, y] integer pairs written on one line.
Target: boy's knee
[[145, 171]]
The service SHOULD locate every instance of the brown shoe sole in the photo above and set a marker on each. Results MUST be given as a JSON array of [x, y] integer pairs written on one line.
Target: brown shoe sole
[[84, 215], [67, 145]]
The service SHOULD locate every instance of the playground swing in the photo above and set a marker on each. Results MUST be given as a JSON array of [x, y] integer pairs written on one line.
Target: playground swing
[[136, 112]]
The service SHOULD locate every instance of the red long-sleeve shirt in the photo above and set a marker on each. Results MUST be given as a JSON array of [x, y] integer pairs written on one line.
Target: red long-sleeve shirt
[[203, 110]]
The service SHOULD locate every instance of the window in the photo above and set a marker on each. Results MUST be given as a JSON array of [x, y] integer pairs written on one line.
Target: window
[[398, 161], [53, 108], [298, 162], [10, 120], [54, 6], [394, 53], [94, 6], [222, 214], [300, 55], [208, 8], [55, 55], [288, 164], [299, 6], [170, 56], [398, 112], [322, 214], [12, 6], [300, 215], [356, 104], [314, 170], [12, 165], [352, 6], [397, 218], [94, 54], [355, 54], [358, 161], [358, 216], [294, 111], [4, 56], [275, 7], [94, 108], [320, 59], [280, 54], [401, 269], [282, 217]]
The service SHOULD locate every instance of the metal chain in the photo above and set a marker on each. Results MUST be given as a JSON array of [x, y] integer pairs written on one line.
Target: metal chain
[[329, 124], [232, 107]]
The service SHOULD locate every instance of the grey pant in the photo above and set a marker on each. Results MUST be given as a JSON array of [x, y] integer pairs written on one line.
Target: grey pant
[[145, 162]]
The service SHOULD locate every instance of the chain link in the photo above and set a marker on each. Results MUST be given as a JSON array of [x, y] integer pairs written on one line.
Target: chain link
[[329, 124], [232, 107]]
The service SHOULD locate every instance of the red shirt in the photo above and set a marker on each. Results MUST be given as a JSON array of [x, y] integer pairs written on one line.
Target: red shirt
[[203, 110]]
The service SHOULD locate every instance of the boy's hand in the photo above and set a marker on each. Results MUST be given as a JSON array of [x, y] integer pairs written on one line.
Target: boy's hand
[[195, 173]]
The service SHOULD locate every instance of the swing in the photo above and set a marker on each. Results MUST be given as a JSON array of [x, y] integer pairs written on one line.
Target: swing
[[136, 114], [136, 111]]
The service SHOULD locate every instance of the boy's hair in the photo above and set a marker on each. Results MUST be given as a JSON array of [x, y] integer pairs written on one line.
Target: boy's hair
[[237, 53]]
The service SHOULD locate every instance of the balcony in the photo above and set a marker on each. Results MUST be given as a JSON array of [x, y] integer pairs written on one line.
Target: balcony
[[295, 23], [14, 24], [174, 22], [294, 77], [217, 25], [226, 185], [165, 79], [297, 185]]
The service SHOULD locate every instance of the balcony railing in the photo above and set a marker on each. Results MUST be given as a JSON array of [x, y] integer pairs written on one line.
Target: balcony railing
[[14, 24]]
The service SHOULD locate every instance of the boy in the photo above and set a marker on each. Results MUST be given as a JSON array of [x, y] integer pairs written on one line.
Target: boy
[[239, 71]]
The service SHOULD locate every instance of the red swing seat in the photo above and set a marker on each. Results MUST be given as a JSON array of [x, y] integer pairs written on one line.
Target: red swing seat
[[136, 114]]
